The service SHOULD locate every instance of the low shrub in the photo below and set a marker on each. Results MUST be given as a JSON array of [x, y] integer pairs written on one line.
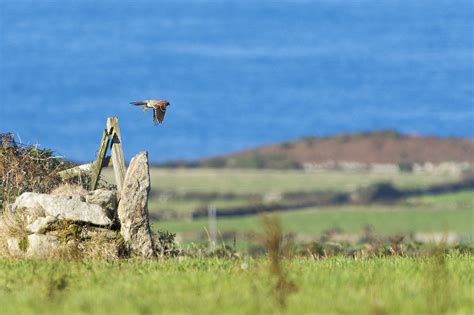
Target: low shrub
[[26, 168]]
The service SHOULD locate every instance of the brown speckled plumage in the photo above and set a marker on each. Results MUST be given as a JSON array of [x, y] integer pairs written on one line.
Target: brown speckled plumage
[[158, 106]]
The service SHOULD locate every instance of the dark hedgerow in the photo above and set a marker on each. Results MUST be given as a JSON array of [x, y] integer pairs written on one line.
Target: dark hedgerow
[[26, 168]]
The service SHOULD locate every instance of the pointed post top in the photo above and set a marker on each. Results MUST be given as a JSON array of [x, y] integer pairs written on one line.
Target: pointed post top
[[118, 160]]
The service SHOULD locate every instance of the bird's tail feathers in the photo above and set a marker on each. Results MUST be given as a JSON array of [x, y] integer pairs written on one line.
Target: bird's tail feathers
[[138, 103]]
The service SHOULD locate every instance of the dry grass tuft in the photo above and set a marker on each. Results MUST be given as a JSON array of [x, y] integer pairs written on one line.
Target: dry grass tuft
[[12, 226], [82, 241], [273, 241]]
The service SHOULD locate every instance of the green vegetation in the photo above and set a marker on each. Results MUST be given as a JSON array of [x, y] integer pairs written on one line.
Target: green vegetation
[[392, 285], [186, 206], [353, 219], [254, 161], [265, 181], [176, 193], [458, 199], [287, 277]]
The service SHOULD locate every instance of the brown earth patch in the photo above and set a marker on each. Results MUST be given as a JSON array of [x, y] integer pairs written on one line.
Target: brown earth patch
[[385, 147]]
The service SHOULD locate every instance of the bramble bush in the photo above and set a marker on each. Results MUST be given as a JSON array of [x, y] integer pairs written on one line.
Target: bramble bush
[[26, 168]]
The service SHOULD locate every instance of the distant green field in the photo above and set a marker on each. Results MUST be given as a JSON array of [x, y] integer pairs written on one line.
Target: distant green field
[[391, 285], [463, 199], [351, 219], [442, 213], [264, 181], [458, 199], [189, 205]]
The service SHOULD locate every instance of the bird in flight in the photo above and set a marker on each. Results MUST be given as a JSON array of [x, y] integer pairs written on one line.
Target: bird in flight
[[158, 106]]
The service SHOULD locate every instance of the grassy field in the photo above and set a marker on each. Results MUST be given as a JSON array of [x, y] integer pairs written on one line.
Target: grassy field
[[427, 214], [194, 284], [264, 181], [395, 285], [383, 220], [458, 199]]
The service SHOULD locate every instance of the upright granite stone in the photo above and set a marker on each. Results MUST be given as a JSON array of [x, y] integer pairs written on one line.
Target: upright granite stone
[[133, 208]]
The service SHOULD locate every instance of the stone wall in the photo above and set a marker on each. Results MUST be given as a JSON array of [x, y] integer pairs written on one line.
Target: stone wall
[[74, 222]]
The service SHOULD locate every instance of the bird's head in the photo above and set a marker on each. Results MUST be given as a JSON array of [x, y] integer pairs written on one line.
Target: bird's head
[[166, 103]]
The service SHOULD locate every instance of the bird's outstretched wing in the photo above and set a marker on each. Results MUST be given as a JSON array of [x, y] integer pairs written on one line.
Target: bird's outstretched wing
[[158, 114], [138, 103]]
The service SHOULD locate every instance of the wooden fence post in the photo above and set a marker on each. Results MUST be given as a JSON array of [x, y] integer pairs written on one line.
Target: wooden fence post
[[118, 160], [99, 162], [110, 135]]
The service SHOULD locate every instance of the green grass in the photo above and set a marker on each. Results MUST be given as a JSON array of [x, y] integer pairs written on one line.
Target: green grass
[[392, 285], [383, 219], [264, 181], [186, 206], [458, 199]]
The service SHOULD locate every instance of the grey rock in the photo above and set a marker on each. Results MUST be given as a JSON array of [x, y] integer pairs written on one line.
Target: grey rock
[[133, 208], [70, 190], [107, 199], [13, 246], [32, 214], [41, 245], [41, 224], [63, 207]]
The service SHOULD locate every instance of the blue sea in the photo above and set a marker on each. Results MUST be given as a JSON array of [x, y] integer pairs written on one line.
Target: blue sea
[[238, 74]]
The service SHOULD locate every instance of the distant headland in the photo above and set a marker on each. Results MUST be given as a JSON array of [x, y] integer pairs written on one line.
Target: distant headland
[[378, 149]]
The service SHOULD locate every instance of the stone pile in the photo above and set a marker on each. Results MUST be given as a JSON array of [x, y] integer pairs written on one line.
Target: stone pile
[[73, 218]]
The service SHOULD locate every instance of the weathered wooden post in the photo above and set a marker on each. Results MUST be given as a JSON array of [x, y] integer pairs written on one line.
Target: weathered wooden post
[[111, 135], [99, 162], [118, 161]]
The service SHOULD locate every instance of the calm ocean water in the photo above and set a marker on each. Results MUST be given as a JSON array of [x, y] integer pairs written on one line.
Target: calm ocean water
[[237, 73]]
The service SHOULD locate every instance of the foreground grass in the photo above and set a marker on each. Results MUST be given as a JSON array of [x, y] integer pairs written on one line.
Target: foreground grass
[[352, 219], [391, 285]]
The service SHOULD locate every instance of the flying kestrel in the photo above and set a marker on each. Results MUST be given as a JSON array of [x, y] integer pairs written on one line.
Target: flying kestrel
[[159, 108]]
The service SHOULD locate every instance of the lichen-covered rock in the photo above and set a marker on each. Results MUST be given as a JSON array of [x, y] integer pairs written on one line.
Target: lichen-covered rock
[[41, 224], [63, 207], [107, 199], [133, 208], [31, 215], [41, 245], [70, 190], [14, 248]]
